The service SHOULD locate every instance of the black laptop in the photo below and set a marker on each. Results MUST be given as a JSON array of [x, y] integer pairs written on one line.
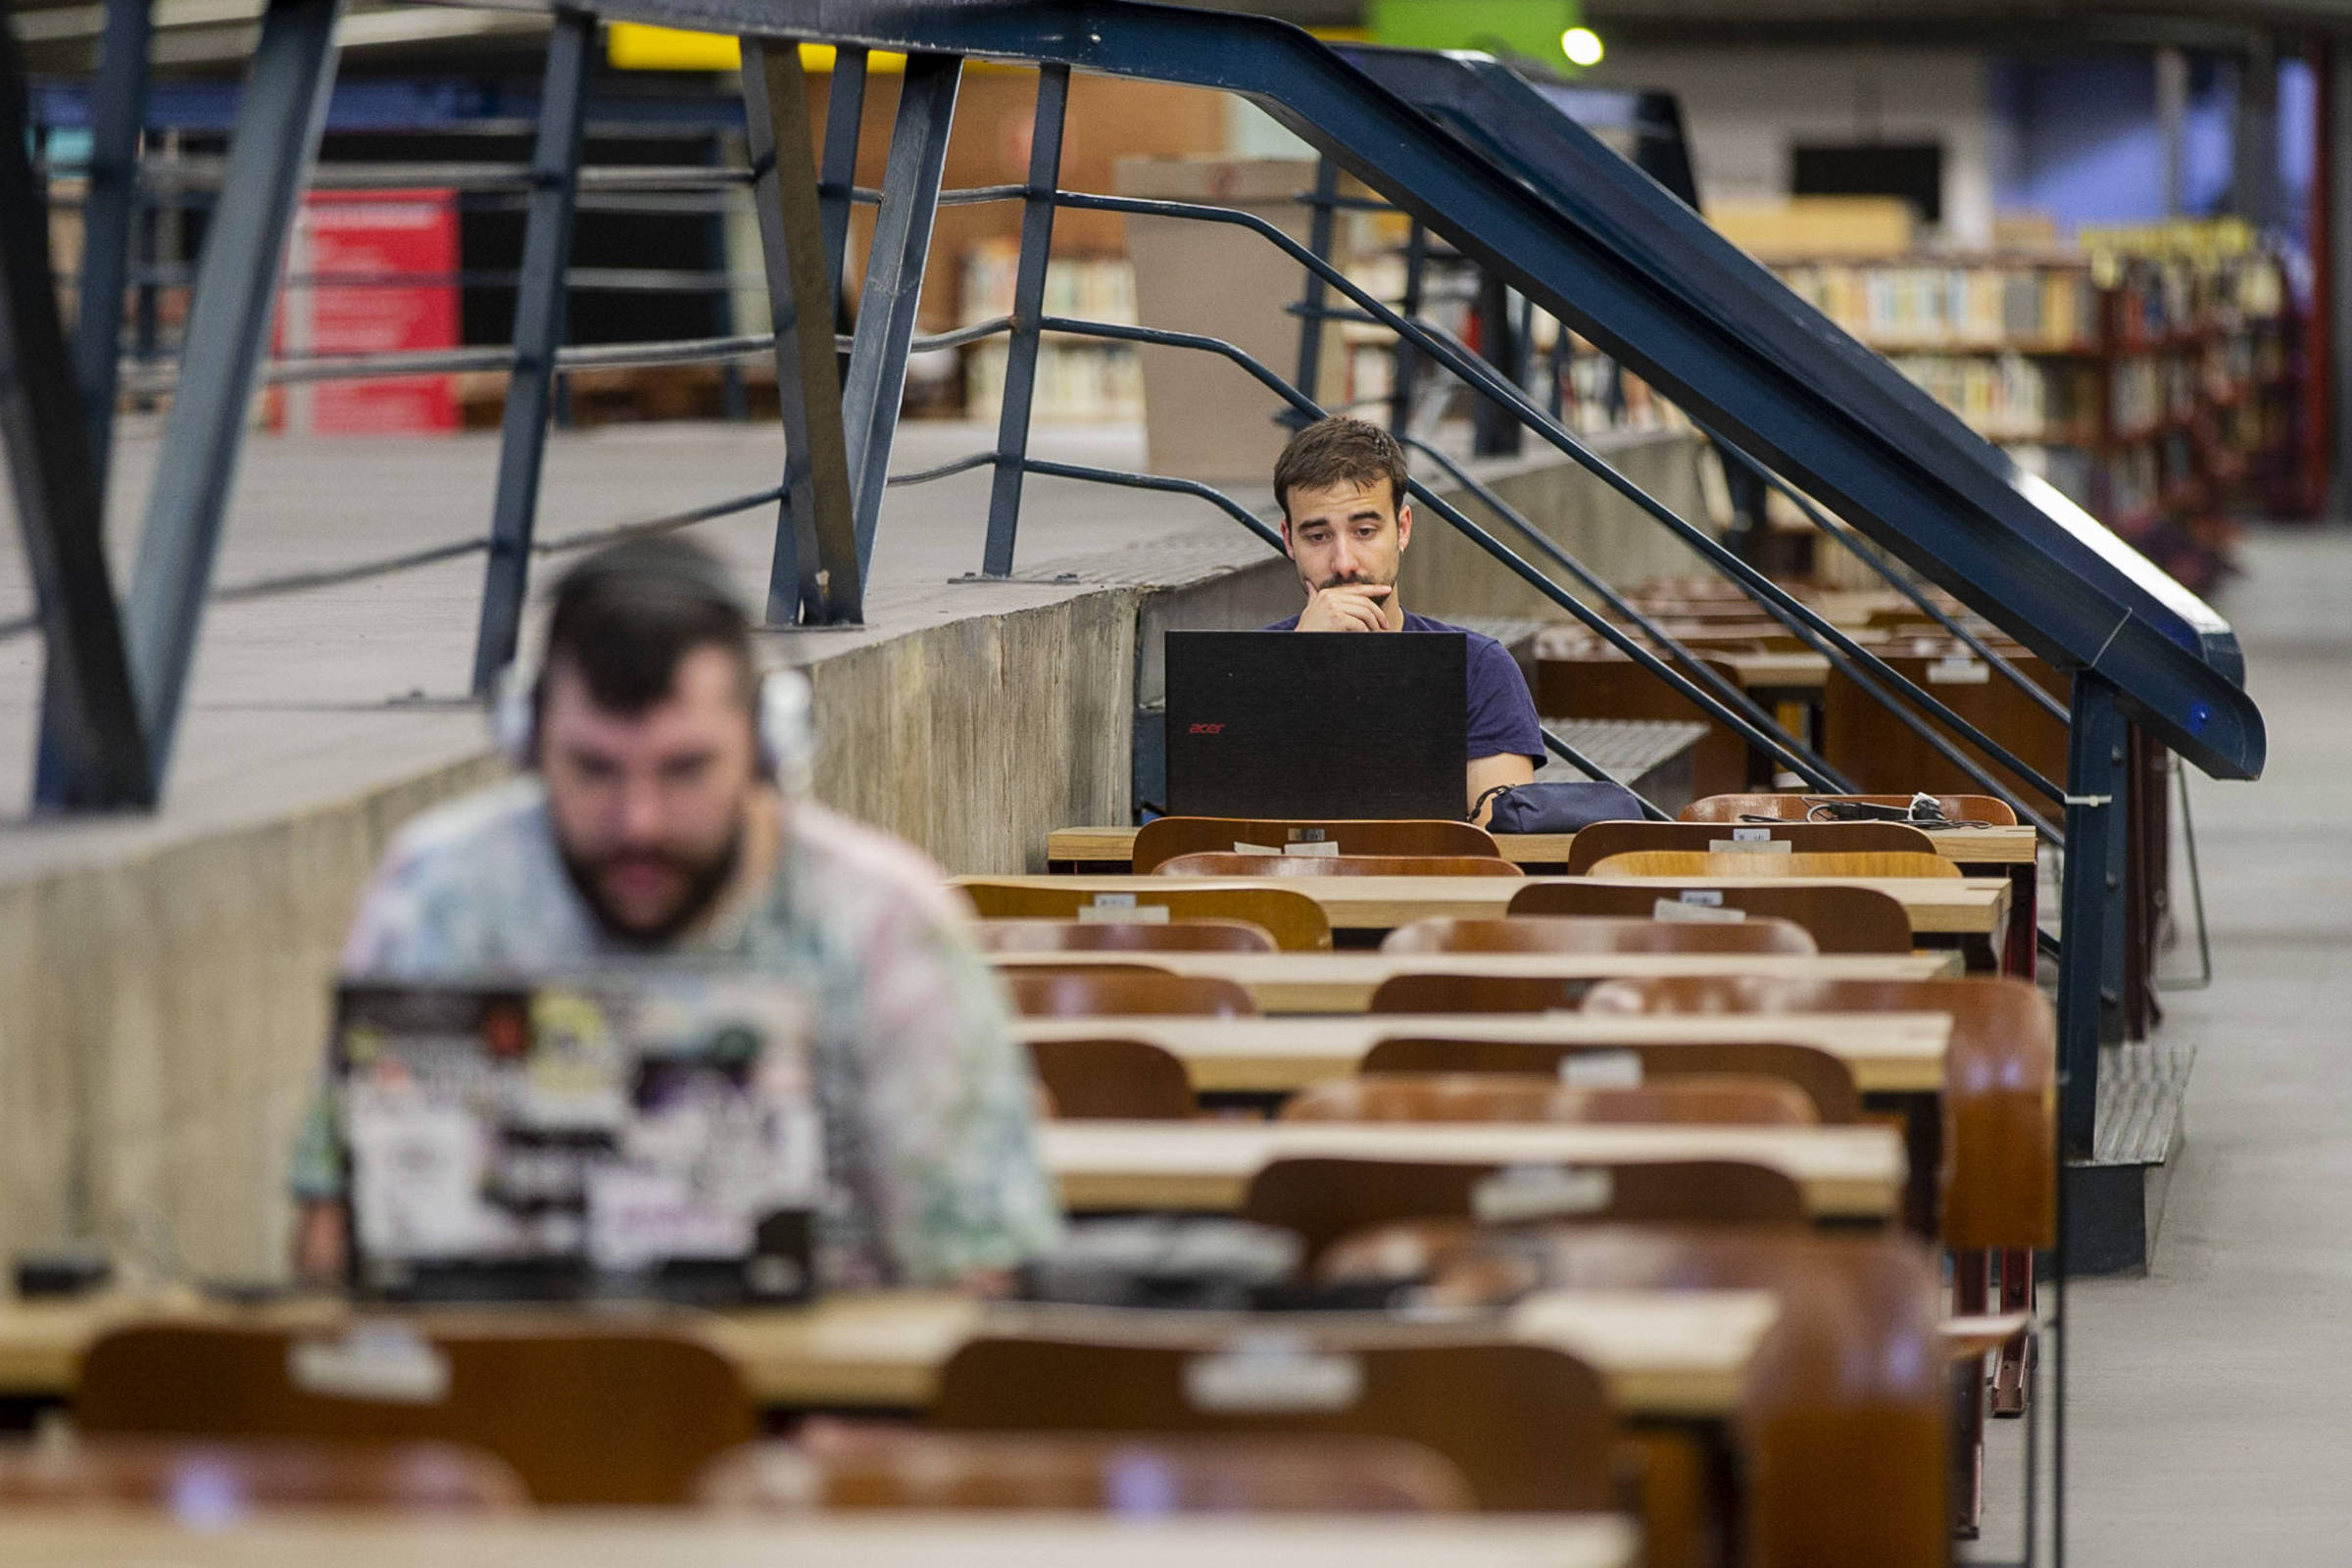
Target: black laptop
[[1316, 724]]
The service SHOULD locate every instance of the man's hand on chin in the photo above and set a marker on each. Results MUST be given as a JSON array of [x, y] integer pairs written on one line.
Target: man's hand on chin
[[1349, 607]]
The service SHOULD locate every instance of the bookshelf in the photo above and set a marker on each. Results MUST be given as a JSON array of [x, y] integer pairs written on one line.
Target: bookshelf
[[2150, 377], [1078, 378]]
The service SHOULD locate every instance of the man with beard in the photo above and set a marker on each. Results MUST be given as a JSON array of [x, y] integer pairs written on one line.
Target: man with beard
[[1346, 524], [649, 824]]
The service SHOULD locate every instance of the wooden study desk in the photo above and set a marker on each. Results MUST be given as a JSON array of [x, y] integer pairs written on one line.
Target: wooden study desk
[[1113, 848], [1678, 1355], [1936, 905], [1345, 982], [608, 1537], [1852, 1172], [1888, 1053]]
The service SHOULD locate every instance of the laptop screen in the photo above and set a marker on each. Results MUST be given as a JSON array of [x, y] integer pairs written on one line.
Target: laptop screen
[[1317, 726], [634, 1134]]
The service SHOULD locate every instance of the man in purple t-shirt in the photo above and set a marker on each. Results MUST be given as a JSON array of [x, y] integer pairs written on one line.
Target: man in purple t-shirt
[[1345, 523]]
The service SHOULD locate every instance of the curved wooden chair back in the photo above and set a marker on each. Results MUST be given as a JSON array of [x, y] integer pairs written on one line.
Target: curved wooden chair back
[[1209, 863], [1600, 841], [1539, 933], [1106, 991], [1701, 866], [1839, 920], [2000, 1090], [1795, 807], [1114, 1079], [834, 1465], [1325, 1198], [1167, 837], [1810, 1430], [1420, 990], [1712, 1099], [1074, 936], [225, 1480], [1528, 1427], [583, 1415], [1825, 1081], [1297, 921]]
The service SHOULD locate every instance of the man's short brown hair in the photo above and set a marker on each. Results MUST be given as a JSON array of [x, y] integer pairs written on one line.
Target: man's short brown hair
[[1338, 451]]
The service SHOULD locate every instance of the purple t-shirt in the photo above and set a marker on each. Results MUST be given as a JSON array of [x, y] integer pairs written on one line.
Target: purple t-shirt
[[1502, 717]]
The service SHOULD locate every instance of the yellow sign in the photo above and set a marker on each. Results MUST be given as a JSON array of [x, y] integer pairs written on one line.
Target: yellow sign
[[635, 46]]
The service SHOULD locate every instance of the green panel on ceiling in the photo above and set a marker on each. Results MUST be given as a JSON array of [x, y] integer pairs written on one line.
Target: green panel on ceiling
[[1528, 27]]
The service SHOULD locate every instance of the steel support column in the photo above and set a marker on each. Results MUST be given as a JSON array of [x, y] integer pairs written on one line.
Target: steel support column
[[1319, 222], [813, 575], [2091, 968], [539, 301], [93, 755], [109, 215], [1028, 309], [844, 126], [893, 283], [276, 135]]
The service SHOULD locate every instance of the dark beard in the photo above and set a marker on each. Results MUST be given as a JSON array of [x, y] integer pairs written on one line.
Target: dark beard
[[705, 883]]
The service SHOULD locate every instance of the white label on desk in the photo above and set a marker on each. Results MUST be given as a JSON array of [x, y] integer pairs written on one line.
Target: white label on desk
[[1686, 911], [1121, 908], [1307, 835], [1313, 848], [1752, 835], [1959, 672], [1763, 846], [1272, 1378], [383, 1363], [1601, 1069], [1238, 847], [1540, 1192]]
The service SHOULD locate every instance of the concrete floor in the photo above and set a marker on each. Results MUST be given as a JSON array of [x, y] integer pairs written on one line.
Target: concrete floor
[[2210, 1405]]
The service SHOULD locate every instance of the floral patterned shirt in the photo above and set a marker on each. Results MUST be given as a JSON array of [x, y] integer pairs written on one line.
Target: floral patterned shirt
[[927, 1097]]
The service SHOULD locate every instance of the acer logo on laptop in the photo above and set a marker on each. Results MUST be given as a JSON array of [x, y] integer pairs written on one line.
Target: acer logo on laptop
[[1209, 729]]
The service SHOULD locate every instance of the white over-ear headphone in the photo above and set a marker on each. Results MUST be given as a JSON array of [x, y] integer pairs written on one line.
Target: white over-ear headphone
[[785, 711]]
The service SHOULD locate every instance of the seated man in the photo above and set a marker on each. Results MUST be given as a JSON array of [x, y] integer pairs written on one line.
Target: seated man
[[1340, 484], [650, 826]]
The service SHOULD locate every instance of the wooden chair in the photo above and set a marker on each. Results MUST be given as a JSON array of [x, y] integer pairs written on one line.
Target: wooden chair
[[1846, 1397], [1604, 840], [1701, 866], [1071, 936], [1166, 838], [1538, 933], [1112, 1079], [212, 1483], [1839, 920], [1999, 1100], [1529, 1427], [835, 1465], [1324, 1198], [1241, 865], [1599, 682], [1100, 991], [1878, 752], [1793, 807], [1826, 1082], [1714, 1100], [1297, 922], [1430, 991], [602, 1415]]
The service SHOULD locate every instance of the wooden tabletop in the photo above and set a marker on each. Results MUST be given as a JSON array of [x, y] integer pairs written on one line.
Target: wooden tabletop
[[1962, 846], [1757, 671], [1938, 905], [1888, 1053], [657, 1539], [1345, 982], [1843, 1172], [1662, 1352]]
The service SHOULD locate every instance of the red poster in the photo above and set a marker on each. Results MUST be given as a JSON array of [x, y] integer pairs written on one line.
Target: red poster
[[369, 272]]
